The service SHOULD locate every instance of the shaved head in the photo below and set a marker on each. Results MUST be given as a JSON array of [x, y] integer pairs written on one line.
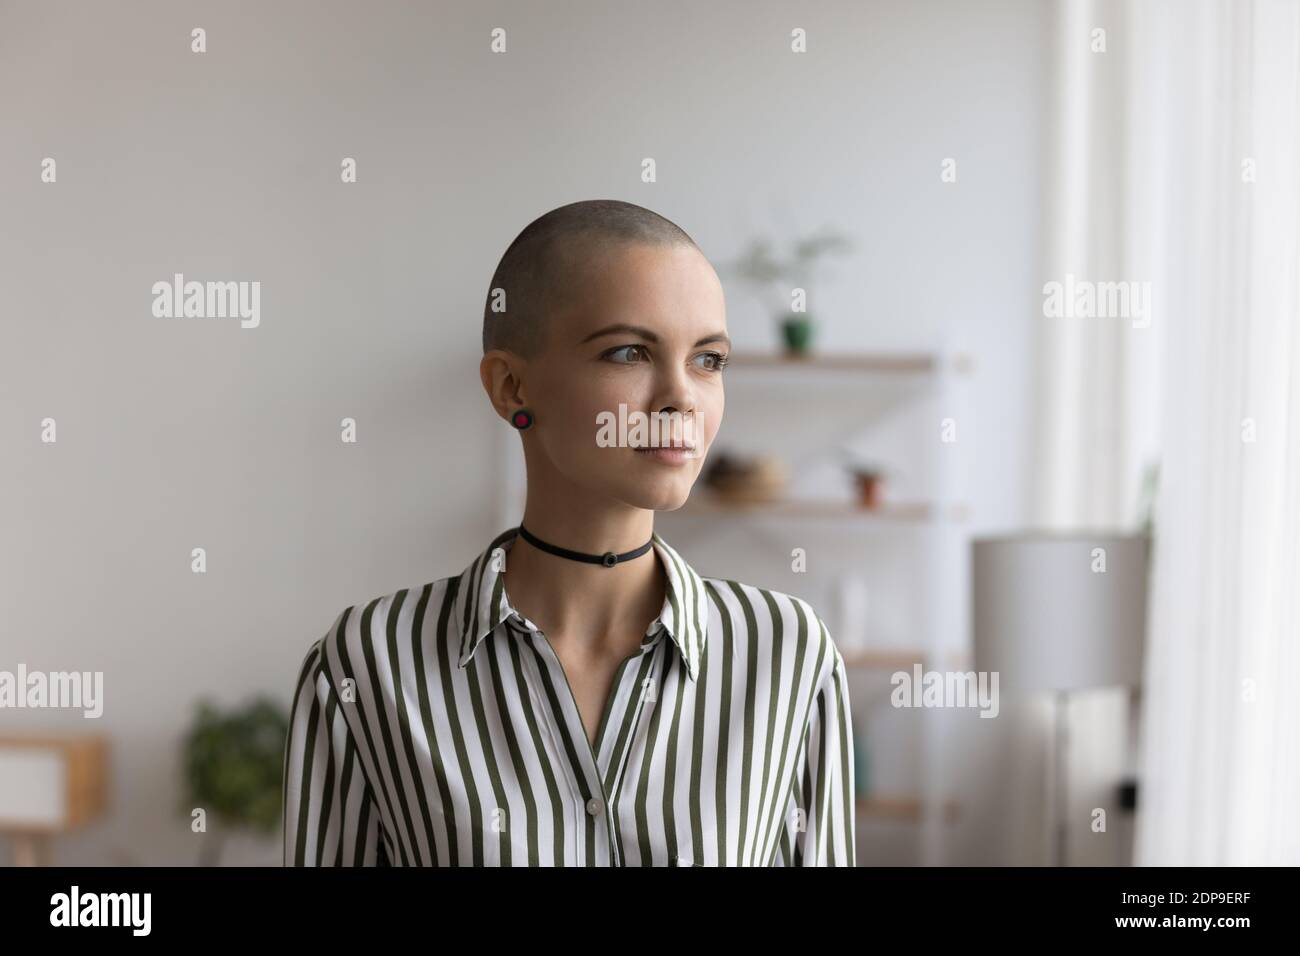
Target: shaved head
[[548, 259]]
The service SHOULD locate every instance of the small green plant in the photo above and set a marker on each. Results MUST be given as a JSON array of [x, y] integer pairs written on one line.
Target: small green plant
[[233, 764], [774, 276]]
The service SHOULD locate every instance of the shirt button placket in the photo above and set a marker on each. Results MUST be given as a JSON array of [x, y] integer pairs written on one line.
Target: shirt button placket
[[604, 828], [590, 769]]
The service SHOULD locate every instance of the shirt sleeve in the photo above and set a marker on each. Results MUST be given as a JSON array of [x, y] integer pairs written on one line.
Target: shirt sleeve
[[330, 815], [820, 829]]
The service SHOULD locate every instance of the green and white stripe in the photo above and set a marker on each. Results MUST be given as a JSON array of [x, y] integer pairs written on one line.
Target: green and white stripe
[[435, 727]]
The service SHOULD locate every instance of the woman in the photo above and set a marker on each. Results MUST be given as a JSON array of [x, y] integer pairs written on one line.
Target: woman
[[579, 694]]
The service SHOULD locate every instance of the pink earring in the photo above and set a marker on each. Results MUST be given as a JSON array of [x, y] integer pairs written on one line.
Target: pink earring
[[522, 419]]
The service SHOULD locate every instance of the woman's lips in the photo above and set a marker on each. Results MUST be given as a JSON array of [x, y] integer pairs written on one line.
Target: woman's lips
[[668, 454]]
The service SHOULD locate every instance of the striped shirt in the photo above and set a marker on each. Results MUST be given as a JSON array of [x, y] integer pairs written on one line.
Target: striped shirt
[[435, 727]]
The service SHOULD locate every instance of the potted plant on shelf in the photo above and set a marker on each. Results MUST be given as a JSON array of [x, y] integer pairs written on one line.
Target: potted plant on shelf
[[233, 764], [869, 477], [775, 276]]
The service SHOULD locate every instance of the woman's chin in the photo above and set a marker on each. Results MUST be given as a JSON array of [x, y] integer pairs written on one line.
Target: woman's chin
[[668, 496]]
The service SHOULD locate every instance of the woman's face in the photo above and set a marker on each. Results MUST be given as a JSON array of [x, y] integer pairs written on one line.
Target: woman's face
[[646, 330]]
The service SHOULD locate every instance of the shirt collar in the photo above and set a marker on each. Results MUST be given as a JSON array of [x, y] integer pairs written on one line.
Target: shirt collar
[[481, 603]]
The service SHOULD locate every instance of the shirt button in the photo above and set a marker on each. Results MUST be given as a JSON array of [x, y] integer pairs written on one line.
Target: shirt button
[[593, 806]]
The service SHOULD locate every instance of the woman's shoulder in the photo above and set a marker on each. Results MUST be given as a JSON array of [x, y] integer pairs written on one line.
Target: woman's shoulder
[[358, 629], [765, 616], [744, 598]]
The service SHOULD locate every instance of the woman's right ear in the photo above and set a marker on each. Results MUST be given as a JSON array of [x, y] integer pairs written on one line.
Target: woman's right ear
[[500, 377]]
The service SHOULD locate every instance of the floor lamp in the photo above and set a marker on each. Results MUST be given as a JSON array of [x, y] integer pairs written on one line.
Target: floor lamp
[[1056, 613]]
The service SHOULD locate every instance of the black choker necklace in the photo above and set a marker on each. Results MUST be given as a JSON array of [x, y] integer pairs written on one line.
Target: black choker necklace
[[608, 559]]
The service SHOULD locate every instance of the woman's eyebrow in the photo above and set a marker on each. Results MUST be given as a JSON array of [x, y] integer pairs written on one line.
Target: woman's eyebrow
[[648, 335]]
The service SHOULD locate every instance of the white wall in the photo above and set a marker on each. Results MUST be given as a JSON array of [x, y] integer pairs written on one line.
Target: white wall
[[177, 434]]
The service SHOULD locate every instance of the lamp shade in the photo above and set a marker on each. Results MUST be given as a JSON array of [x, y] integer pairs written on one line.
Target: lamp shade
[[1059, 612]]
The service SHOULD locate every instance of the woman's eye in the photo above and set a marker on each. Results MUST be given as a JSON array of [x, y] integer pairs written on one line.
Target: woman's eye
[[716, 361], [621, 354], [631, 354]]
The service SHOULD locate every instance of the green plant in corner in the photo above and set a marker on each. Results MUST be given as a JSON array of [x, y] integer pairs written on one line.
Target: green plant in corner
[[773, 277], [233, 765]]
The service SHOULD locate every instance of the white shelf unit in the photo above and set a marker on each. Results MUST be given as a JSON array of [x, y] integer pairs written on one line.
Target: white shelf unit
[[930, 387]]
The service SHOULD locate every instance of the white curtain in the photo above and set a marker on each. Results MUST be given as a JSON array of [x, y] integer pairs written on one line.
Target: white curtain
[[1219, 84], [1095, 431], [1173, 160]]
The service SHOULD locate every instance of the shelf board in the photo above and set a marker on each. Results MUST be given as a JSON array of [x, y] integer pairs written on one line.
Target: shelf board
[[905, 809], [812, 508], [914, 363], [881, 660]]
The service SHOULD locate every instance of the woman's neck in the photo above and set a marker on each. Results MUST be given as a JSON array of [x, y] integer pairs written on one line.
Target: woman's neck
[[588, 604]]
